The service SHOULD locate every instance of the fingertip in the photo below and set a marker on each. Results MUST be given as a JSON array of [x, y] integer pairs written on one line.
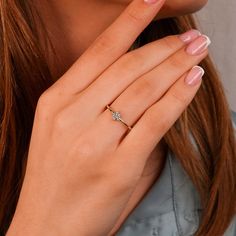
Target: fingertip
[[190, 35], [195, 75]]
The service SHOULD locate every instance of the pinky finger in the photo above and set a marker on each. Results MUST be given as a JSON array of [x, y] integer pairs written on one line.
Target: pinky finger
[[159, 118]]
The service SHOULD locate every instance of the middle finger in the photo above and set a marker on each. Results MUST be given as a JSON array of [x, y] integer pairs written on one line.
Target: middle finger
[[132, 66], [148, 89]]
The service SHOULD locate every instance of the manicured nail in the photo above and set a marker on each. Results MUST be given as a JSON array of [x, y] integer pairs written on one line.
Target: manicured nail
[[199, 45], [151, 1], [189, 36], [194, 76]]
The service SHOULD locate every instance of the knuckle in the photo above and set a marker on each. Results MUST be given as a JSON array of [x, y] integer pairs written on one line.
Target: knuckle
[[177, 61], [130, 61], [44, 105], [103, 43], [48, 96], [44, 99], [179, 97], [84, 148], [170, 42], [143, 86], [135, 16], [60, 120]]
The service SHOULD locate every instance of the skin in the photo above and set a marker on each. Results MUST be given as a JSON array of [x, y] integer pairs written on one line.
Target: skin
[[75, 17], [180, 7], [71, 133]]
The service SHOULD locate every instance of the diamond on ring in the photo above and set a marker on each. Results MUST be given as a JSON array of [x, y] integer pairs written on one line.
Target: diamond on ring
[[116, 115]]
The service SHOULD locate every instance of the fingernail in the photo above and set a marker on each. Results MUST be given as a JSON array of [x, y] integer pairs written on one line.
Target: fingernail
[[189, 36], [194, 76], [199, 45], [151, 1]]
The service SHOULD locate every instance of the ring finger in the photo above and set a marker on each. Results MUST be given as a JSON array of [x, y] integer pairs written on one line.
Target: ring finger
[[149, 88]]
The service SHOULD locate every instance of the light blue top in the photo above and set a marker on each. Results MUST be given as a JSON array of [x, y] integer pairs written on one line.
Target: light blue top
[[170, 208]]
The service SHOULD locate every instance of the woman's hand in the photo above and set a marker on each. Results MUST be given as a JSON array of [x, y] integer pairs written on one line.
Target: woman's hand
[[82, 165]]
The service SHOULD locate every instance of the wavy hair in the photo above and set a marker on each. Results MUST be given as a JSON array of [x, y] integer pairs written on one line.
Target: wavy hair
[[25, 75]]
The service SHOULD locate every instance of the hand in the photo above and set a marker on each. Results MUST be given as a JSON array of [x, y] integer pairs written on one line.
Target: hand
[[82, 165]]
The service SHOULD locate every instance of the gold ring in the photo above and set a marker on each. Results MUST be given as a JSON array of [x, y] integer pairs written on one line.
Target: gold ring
[[117, 116]]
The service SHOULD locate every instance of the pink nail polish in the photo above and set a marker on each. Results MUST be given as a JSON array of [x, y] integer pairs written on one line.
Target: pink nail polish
[[189, 36], [199, 45], [194, 76]]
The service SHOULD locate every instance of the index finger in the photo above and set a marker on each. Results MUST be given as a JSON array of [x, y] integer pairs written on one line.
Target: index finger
[[112, 43]]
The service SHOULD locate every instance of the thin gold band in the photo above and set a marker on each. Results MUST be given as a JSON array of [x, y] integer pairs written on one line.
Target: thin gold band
[[117, 116]]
